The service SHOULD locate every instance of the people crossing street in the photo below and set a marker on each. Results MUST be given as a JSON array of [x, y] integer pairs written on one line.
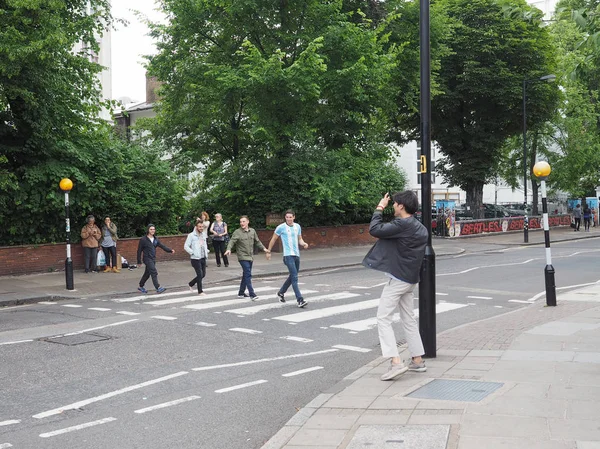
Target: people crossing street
[[147, 246]]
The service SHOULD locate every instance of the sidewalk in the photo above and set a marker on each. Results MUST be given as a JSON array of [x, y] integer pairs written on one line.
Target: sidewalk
[[529, 379]]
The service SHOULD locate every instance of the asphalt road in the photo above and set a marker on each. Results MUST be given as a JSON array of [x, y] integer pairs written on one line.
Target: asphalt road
[[177, 370]]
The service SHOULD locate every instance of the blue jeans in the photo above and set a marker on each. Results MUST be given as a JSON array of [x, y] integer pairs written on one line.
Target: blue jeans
[[293, 265], [246, 278]]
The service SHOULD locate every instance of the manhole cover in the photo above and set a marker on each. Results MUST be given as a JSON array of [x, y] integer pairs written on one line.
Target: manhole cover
[[400, 437], [455, 390], [77, 339]]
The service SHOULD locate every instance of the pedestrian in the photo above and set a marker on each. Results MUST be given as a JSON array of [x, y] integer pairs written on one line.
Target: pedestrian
[[218, 229], [577, 217], [147, 245], [291, 236], [243, 240], [587, 218], [399, 253], [205, 219], [90, 236], [195, 246], [108, 243]]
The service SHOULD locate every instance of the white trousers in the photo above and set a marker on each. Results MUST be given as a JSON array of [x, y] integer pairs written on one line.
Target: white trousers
[[398, 294]]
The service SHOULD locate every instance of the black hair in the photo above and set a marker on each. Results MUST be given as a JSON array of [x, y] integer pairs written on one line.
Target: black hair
[[408, 199]]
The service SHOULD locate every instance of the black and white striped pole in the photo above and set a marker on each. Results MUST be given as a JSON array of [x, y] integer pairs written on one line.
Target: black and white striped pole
[[66, 185], [542, 170]]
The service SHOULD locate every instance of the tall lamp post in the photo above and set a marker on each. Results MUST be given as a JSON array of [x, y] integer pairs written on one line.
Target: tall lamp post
[[66, 185], [427, 323], [542, 170], [547, 78]]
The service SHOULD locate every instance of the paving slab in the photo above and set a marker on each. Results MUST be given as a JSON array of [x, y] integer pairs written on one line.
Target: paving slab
[[406, 437], [467, 442]]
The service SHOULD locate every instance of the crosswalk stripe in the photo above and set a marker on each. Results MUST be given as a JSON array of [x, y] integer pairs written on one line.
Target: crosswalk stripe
[[278, 305], [196, 297], [328, 311], [370, 323], [126, 312], [351, 348], [137, 298]]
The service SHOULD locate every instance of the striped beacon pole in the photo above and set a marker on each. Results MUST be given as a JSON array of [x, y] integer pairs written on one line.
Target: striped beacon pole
[[66, 185], [542, 170]]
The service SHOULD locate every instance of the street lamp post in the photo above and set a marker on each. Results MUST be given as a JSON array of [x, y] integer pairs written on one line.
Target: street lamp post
[[427, 324], [547, 78], [541, 170], [66, 185]]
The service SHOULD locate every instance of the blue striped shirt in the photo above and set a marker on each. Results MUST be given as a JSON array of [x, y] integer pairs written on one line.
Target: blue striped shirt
[[289, 237]]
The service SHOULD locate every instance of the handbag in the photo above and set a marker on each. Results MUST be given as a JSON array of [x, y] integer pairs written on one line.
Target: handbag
[[226, 238]]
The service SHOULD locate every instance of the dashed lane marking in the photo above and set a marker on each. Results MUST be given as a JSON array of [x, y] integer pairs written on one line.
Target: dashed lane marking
[[480, 297], [126, 312], [163, 317], [5, 445], [99, 309], [203, 324], [245, 331], [15, 342], [78, 427], [351, 348], [96, 328], [302, 371], [238, 387], [167, 404], [299, 339], [9, 422], [74, 306]]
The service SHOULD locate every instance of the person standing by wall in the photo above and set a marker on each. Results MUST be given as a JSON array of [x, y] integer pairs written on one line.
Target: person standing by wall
[[195, 246], [291, 235], [147, 246], [577, 217], [109, 245], [90, 235], [218, 229], [587, 218], [243, 240], [399, 253]]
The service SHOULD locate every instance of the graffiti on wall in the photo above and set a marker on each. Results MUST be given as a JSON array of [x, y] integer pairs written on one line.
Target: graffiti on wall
[[473, 227]]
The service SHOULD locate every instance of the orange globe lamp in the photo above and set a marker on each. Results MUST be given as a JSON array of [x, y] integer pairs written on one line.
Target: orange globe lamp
[[66, 185], [542, 169]]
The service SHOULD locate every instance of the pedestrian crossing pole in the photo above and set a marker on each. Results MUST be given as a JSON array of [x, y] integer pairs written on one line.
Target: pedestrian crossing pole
[[66, 185], [427, 283], [542, 170]]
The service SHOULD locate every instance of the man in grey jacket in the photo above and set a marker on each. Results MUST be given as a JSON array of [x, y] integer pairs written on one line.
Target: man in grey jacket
[[398, 253]]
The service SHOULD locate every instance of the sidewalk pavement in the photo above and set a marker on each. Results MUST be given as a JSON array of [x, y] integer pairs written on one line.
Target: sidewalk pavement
[[528, 379]]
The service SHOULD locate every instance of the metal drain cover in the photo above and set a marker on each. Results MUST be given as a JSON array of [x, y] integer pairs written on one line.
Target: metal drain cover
[[77, 339], [400, 437], [455, 390]]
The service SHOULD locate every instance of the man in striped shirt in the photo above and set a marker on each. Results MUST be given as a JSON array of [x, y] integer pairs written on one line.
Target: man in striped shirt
[[291, 236]]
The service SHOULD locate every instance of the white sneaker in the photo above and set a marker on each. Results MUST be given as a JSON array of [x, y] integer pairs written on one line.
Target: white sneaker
[[395, 370]]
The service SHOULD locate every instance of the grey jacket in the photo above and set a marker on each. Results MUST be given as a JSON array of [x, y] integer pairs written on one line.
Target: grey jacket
[[400, 248]]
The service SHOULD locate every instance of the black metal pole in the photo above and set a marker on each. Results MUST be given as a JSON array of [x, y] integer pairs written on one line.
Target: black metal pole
[[69, 261], [549, 269], [427, 325], [525, 219]]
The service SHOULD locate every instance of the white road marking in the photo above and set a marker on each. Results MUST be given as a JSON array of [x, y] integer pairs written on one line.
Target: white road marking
[[96, 328], [9, 422], [203, 324], [479, 297], [74, 306], [245, 331], [226, 303], [167, 404], [441, 294], [353, 332], [99, 309], [543, 293], [48, 303], [271, 359], [278, 305], [163, 317], [78, 427], [300, 339], [372, 286], [328, 311], [330, 271], [238, 387], [195, 297], [302, 371], [351, 348], [321, 285], [266, 319], [519, 301], [323, 327], [85, 402], [5, 445], [498, 307], [185, 292], [15, 342], [125, 312]]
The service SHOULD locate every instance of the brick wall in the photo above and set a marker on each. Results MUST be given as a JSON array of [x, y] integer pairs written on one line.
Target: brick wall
[[15, 260]]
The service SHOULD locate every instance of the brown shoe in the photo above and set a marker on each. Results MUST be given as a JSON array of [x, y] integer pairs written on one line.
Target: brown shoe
[[107, 270], [116, 270]]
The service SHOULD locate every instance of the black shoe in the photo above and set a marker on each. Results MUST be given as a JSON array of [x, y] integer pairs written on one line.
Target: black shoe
[[281, 298], [218, 265], [244, 295], [302, 303], [226, 265]]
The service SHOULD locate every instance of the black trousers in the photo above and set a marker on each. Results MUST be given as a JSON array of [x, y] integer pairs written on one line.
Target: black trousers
[[577, 223], [89, 257], [110, 254], [219, 247], [150, 272], [200, 268]]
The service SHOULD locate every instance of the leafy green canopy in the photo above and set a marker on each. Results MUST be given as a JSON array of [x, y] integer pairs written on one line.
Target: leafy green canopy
[[495, 46], [282, 103]]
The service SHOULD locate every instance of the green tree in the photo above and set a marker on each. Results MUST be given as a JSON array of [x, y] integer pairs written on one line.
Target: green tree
[[495, 44]]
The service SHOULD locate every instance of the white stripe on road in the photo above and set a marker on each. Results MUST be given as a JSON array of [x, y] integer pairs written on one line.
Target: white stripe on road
[[196, 297], [278, 305], [271, 359], [370, 323], [328, 311], [245, 331], [125, 312], [519, 301], [95, 328], [163, 317], [351, 348], [5, 445], [48, 303], [226, 303], [78, 427], [441, 294], [167, 404], [137, 298], [85, 402], [300, 339], [99, 309], [9, 422], [302, 371], [203, 324], [74, 306], [238, 387], [479, 297], [15, 342]]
